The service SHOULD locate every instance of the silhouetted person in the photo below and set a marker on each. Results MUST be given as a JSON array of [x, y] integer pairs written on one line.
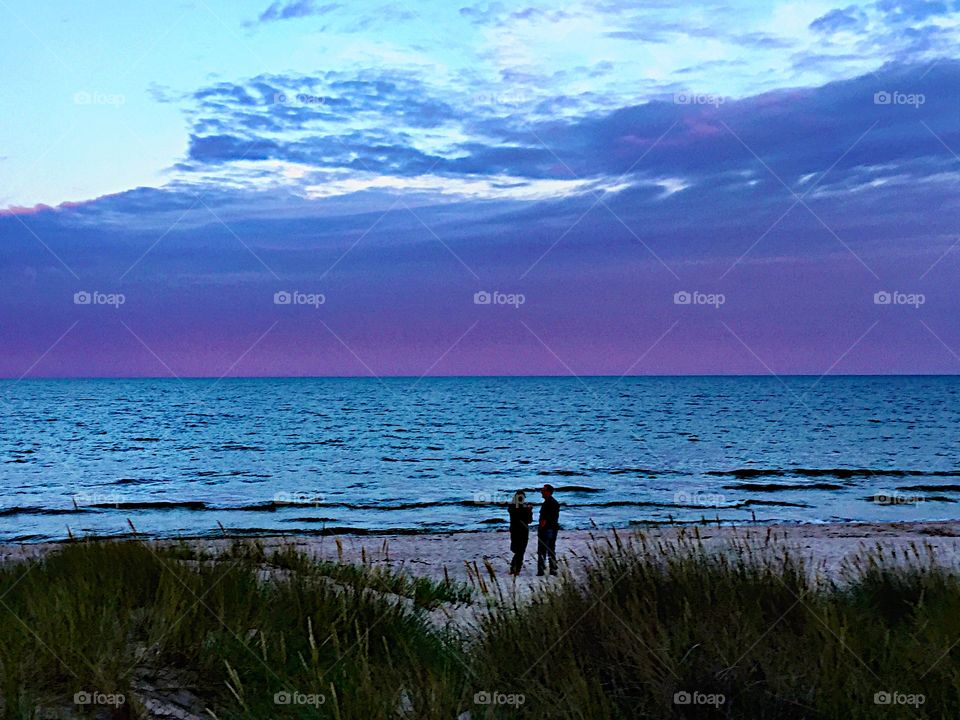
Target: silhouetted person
[[521, 515], [547, 531]]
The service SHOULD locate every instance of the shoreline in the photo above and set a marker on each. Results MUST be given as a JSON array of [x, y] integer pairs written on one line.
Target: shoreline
[[460, 554]]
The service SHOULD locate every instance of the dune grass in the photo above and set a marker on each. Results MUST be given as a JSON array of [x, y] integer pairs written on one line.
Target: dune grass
[[668, 630]]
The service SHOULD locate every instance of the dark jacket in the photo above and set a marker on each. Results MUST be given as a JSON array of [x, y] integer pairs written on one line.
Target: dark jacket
[[520, 517], [550, 514]]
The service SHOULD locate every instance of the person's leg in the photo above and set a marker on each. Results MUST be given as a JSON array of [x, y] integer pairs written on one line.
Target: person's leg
[[541, 551], [552, 551]]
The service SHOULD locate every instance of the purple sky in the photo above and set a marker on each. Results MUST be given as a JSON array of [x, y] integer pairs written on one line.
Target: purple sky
[[780, 211]]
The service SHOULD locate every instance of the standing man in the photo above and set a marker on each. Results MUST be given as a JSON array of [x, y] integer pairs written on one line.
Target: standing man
[[547, 531]]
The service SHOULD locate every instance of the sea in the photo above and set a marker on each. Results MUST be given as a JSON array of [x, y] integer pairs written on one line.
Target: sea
[[200, 457]]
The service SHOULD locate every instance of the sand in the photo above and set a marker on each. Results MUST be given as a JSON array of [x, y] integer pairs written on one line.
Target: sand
[[461, 556]]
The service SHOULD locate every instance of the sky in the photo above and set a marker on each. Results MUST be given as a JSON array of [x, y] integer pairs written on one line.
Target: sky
[[599, 187]]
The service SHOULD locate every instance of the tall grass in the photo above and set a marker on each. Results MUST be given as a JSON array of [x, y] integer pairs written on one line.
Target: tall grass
[[93, 616], [653, 630], [672, 630]]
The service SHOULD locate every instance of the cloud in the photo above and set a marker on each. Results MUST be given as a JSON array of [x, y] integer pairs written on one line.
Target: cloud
[[850, 19], [295, 9]]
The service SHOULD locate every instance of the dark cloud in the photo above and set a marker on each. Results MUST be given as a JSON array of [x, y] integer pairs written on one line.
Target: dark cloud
[[850, 18], [295, 9]]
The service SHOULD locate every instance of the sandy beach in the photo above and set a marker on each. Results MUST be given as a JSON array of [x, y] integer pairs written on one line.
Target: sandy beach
[[463, 555]]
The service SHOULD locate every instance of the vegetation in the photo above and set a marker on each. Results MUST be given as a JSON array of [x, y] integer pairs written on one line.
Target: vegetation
[[652, 631]]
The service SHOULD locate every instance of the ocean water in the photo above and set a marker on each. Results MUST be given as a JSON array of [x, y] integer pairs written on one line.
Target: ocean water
[[441, 454]]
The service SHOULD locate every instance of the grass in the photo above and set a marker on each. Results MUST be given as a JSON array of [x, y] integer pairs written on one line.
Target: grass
[[667, 630]]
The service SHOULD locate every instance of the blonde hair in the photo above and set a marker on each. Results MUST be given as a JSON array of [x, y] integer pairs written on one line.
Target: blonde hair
[[518, 498]]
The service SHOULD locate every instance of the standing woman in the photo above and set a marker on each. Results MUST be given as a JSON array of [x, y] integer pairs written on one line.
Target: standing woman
[[521, 515]]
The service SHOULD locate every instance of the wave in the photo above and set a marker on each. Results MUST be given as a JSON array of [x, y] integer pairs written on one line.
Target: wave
[[21, 510], [841, 473], [777, 487]]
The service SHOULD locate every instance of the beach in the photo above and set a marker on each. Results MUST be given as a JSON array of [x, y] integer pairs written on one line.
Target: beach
[[461, 555]]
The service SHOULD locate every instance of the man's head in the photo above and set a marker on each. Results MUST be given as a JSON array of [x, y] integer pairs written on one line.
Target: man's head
[[547, 491]]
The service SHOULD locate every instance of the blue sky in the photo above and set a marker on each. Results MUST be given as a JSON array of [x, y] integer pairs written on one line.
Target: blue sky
[[140, 67], [598, 157]]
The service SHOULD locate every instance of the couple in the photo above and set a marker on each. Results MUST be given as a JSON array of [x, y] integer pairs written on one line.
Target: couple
[[521, 515]]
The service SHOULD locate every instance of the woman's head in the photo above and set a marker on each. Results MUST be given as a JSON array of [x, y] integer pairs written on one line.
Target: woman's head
[[518, 498]]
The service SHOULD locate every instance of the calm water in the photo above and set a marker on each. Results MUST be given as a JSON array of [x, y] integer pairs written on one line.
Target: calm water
[[355, 455]]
